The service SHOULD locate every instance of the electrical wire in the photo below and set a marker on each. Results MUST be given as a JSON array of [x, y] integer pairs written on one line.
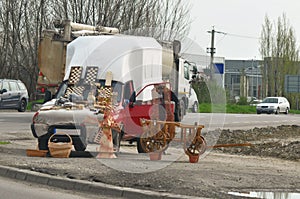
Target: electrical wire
[[242, 36]]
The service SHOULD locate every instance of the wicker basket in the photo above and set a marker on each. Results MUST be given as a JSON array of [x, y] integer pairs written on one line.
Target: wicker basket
[[60, 149], [36, 153]]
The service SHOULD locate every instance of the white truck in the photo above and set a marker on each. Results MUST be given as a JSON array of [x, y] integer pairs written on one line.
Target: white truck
[[137, 64]]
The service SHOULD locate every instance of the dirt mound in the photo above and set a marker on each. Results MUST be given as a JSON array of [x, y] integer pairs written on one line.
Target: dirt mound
[[280, 142]]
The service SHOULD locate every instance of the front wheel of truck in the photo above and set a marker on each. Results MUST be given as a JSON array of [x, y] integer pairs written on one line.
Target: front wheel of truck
[[43, 142], [181, 110], [79, 146], [117, 138], [139, 147], [79, 142]]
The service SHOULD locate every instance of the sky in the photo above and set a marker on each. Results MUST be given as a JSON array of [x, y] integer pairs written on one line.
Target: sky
[[242, 20]]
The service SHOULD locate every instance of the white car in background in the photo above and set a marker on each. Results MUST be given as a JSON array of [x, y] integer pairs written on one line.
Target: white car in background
[[273, 105]]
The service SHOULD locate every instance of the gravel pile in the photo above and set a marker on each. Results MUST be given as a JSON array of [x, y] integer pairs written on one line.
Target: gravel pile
[[280, 142]]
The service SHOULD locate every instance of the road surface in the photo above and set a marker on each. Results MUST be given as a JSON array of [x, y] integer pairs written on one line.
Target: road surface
[[13, 189], [12, 122]]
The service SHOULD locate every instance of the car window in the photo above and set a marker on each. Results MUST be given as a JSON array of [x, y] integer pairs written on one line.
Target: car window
[[21, 86], [6, 86], [270, 100], [14, 86], [0, 85]]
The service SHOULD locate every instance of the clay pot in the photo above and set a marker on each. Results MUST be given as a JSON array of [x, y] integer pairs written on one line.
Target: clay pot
[[155, 155], [194, 158]]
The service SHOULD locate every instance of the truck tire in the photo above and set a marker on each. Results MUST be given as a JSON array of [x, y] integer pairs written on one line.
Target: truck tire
[[43, 142], [117, 137], [79, 144], [181, 110], [139, 147], [185, 105], [195, 107]]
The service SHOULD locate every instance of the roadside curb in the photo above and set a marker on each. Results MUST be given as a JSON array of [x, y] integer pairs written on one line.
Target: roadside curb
[[85, 186]]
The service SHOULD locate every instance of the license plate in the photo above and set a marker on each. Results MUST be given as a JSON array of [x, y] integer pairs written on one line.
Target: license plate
[[68, 131]]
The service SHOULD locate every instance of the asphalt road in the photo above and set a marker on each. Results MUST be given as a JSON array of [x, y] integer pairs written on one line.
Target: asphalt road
[[14, 189], [242, 121], [14, 122]]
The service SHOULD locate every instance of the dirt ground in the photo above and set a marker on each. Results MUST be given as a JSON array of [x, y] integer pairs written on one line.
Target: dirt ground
[[271, 164], [281, 142]]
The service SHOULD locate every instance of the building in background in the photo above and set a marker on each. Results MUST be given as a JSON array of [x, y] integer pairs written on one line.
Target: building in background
[[243, 78], [192, 52]]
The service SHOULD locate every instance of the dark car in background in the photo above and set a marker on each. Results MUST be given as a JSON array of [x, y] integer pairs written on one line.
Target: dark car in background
[[13, 95]]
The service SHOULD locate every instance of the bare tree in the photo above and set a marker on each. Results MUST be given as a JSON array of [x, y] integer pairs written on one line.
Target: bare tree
[[22, 22], [165, 20]]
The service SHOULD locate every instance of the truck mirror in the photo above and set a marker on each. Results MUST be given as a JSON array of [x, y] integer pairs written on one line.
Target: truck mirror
[[48, 96], [132, 98]]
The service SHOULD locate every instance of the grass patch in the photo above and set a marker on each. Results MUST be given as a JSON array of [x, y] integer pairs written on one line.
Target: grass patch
[[4, 142], [295, 111], [228, 108], [209, 108], [232, 108], [29, 106]]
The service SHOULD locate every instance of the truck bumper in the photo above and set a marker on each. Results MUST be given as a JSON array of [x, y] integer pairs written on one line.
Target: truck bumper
[[65, 121]]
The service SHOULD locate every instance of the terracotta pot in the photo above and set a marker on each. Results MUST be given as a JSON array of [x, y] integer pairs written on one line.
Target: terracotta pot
[[155, 155], [194, 158]]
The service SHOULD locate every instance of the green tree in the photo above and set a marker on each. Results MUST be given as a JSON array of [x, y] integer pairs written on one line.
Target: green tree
[[209, 92], [281, 55]]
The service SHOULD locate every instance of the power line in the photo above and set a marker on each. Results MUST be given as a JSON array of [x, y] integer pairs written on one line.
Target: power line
[[242, 36], [212, 49]]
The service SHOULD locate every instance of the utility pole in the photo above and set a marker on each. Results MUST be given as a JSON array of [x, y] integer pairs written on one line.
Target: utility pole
[[212, 50]]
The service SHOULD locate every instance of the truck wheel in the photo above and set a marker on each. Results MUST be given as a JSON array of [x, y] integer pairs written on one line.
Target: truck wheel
[[195, 107], [22, 106], [79, 146], [43, 142], [79, 143], [185, 105], [181, 110], [139, 147], [117, 137]]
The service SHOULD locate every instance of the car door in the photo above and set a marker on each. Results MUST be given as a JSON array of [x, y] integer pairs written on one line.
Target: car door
[[6, 97], [1, 93], [15, 93], [281, 105]]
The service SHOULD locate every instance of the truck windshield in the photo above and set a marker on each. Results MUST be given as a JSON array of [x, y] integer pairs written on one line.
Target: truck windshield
[[61, 90], [117, 88]]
